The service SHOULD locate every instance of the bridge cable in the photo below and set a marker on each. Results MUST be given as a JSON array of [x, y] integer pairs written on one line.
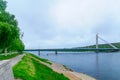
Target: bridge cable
[[108, 43]]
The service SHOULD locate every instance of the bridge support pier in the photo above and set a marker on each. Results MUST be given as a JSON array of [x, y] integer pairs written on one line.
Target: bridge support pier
[[97, 51], [39, 53], [56, 52]]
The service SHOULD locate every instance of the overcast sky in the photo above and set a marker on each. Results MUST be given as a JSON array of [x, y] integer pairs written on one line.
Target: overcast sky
[[66, 23]]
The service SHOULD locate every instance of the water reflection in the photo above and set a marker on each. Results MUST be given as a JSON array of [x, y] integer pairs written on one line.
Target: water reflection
[[97, 66]]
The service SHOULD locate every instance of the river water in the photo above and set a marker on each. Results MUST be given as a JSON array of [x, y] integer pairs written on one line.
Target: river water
[[102, 66]]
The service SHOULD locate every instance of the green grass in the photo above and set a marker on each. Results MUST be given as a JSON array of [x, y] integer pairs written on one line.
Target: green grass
[[41, 59], [31, 69], [3, 57]]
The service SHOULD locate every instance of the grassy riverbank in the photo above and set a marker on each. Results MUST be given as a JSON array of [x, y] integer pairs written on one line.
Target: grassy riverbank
[[3, 57], [41, 59], [31, 69]]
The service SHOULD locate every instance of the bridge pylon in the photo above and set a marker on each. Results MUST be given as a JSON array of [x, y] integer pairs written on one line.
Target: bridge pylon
[[56, 52], [97, 43]]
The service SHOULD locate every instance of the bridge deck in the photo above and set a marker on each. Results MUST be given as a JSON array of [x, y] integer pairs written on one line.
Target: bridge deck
[[81, 49]]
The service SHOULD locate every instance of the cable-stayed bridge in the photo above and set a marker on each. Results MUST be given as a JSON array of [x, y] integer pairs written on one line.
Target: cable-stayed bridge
[[97, 49]]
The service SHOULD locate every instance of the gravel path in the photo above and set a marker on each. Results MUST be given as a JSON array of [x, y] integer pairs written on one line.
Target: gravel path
[[70, 74], [15, 60]]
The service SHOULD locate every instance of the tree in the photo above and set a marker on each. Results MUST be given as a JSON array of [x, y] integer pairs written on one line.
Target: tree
[[2, 5], [12, 22], [17, 45], [5, 35], [9, 30], [8, 18]]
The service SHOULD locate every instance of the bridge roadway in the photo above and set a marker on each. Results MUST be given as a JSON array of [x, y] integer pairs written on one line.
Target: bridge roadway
[[73, 49]]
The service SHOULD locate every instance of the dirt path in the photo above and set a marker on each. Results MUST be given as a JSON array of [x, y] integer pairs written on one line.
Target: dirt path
[[16, 59], [70, 74]]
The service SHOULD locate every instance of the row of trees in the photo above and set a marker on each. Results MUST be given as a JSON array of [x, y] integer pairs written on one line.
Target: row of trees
[[10, 37]]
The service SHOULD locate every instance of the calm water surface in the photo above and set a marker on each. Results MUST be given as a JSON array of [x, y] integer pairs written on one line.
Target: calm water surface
[[103, 66]]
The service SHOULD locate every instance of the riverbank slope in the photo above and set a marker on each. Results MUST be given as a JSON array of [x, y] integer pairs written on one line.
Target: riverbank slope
[[66, 71], [30, 68]]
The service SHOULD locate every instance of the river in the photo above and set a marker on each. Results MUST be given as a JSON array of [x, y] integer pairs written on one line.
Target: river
[[102, 66]]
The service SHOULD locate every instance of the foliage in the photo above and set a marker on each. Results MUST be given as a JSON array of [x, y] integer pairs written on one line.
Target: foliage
[[5, 35], [9, 30], [104, 45], [17, 45], [8, 18], [2, 5], [31, 69], [3, 57]]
